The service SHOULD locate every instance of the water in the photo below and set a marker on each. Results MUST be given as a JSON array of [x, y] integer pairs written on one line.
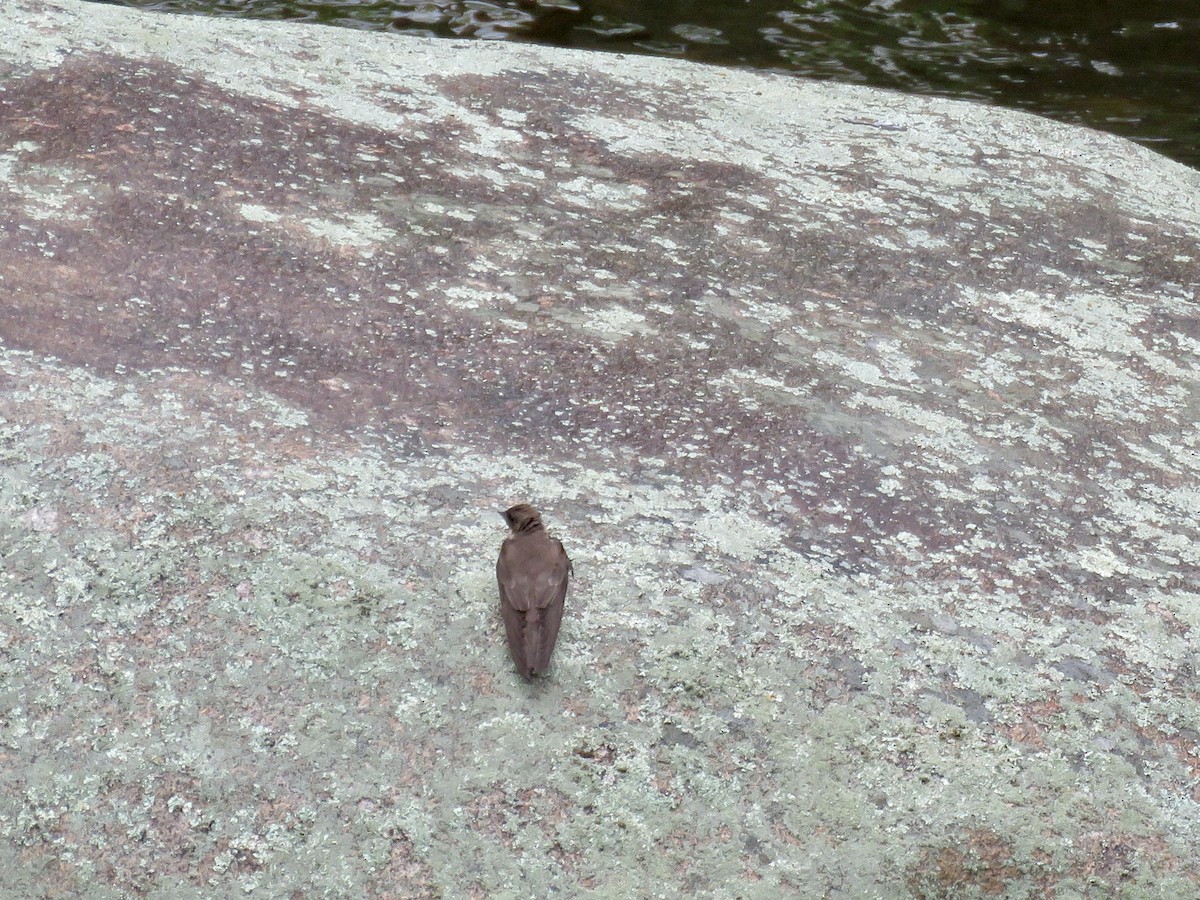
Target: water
[[1131, 68]]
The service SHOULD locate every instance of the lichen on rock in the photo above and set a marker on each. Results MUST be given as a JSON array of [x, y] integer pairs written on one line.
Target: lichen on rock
[[874, 449]]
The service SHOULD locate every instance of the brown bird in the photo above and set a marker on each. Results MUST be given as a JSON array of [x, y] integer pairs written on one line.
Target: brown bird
[[532, 572]]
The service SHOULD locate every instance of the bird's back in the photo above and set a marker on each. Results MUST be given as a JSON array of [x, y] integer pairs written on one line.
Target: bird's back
[[532, 571]]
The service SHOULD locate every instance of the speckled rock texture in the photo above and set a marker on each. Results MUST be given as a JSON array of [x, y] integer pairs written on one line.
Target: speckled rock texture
[[869, 421]]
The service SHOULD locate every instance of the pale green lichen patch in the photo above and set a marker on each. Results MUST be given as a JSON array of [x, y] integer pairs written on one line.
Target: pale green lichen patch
[[272, 667], [45, 193]]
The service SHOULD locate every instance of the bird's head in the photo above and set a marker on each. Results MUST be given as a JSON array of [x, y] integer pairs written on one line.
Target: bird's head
[[522, 517]]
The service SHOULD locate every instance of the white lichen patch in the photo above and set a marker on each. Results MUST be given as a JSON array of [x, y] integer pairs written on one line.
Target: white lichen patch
[[589, 192], [997, 370], [919, 237], [45, 192], [948, 442], [752, 386], [1083, 321], [451, 212], [736, 534], [612, 322], [900, 367], [253, 212], [767, 312], [473, 298], [1101, 561], [362, 230], [24, 611], [857, 369]]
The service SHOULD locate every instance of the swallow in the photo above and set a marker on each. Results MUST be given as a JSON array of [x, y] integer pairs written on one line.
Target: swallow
[[532, 572]]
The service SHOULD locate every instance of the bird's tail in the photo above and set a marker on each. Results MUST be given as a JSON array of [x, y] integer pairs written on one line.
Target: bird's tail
[[533, 637]]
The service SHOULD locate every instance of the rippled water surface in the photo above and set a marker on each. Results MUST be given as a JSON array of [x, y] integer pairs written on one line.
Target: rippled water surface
[[1124, 66]]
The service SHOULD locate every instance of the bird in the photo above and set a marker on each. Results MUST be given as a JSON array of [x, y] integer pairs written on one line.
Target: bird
[[532, 572]]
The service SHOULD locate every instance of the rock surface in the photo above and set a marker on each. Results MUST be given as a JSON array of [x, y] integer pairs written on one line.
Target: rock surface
[[868, 420]]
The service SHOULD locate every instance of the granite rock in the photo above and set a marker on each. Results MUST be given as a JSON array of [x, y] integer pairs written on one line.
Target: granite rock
[[870, 422]]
